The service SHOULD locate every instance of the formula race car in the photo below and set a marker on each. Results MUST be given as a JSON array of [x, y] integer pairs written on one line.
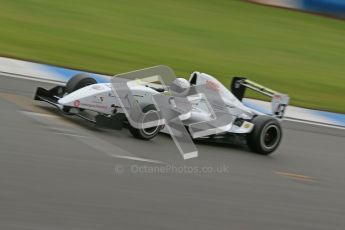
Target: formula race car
[[108, 105]]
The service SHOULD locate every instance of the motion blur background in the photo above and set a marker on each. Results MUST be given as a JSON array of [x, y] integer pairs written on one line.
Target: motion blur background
[[60, 172], [293, 52]]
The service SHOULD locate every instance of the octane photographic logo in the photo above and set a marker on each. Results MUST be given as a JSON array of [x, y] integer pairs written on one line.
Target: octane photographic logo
[[171, 169], [172, 105]]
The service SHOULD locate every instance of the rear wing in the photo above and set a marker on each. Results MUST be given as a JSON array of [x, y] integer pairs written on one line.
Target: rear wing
[[279, 101]]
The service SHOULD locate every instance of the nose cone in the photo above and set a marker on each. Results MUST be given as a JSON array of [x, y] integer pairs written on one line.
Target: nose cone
[[71, 99], [85, 94]]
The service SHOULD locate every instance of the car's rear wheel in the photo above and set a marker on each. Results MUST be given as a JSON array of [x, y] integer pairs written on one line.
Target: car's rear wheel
[[79, 81], [146, 133], [266, 135]]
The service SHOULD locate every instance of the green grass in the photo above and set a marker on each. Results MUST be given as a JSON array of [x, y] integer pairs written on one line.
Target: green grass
[[292, 52]]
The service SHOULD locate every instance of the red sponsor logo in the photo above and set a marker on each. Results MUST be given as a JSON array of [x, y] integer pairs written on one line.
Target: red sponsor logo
[[213, 85], [76, 103], [277, 97]]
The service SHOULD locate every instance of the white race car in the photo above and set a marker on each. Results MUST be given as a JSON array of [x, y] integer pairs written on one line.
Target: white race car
[[100, 103]]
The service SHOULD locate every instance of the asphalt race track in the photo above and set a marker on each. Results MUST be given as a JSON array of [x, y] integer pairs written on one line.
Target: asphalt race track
[[59, 172]]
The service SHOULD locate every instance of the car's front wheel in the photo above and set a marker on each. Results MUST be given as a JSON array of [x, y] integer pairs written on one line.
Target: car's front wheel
[[266, 135], [146, 133]]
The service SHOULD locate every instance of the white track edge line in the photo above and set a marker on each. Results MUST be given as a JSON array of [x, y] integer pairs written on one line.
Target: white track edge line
[[315, 123], [31, 78]]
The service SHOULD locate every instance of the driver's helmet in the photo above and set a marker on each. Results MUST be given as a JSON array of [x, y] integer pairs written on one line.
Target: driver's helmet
[[180, 85]]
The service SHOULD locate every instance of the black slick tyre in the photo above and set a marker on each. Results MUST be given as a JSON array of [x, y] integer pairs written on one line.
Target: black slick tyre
[[266, 135], [147, 133], [79, 81]]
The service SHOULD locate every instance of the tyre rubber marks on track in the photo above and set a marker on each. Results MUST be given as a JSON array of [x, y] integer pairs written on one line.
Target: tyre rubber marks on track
[[60, 125], [295, 176], [55, 123]]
